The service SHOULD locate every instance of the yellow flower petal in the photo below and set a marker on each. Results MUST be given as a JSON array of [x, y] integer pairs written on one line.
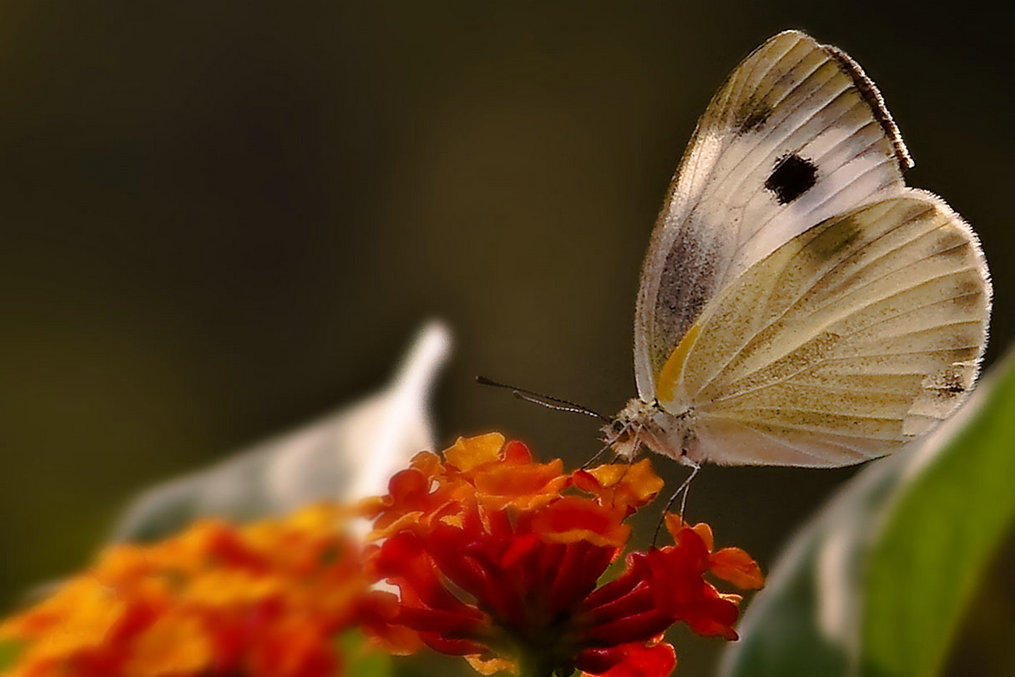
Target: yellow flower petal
[[469, 452]]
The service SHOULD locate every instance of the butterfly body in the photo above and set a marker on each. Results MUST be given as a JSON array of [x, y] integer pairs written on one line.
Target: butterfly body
[[799, 304], [647, 424]]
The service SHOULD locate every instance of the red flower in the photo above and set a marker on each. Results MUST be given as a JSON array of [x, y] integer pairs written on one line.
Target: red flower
[[495, 557], [633, 660], [498, 558]]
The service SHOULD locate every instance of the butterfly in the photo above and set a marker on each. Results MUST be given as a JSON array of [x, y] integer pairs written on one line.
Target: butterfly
[[799, 305]]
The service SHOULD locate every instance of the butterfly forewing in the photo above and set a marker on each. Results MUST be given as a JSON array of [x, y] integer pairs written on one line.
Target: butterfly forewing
[[846, 342], [796, 134]]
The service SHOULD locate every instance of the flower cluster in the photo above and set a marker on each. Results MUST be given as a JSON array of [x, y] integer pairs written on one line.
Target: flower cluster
[[262, 600], [494, 556], [497, 558]]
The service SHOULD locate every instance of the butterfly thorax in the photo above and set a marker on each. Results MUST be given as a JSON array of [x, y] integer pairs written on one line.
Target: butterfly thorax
[[647, 424]]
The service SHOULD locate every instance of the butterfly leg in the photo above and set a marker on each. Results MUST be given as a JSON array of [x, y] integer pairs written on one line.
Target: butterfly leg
[[695, 467], [683, 490], [587, 464]]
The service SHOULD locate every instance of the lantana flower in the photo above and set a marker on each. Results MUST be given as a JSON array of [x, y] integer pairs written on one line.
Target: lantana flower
[[265, 600], [497, 558], [494, 556]]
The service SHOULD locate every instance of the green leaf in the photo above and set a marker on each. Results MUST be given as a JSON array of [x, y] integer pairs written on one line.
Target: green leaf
[[876, 584], [360, 657], [8, 653], [953, 517]]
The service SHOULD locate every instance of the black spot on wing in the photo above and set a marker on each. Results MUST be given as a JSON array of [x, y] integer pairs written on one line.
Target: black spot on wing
[[792, 177]]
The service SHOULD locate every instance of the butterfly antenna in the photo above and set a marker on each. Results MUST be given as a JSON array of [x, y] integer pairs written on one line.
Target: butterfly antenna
[[548, 401]]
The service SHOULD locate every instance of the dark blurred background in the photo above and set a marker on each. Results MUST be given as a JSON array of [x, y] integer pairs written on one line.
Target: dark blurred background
[[222, 219]]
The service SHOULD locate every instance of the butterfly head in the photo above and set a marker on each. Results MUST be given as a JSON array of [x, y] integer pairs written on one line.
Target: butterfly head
[[642, 423]]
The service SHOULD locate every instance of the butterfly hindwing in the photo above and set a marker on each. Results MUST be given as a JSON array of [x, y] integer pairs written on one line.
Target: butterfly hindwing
[[796, 134], [846, 342]]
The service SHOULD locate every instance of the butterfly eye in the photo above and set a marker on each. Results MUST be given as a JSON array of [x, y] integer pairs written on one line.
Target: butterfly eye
[[617, 426]]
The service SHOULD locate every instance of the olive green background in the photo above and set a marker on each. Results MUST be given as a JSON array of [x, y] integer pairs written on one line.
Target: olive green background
[[220, 219]]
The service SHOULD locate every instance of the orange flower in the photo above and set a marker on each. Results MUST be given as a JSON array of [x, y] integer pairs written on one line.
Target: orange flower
[[497, 558], [511, 479], [266, 599], [624, 486]]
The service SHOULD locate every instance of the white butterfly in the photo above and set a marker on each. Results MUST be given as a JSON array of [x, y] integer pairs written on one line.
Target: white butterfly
[[799, 305]]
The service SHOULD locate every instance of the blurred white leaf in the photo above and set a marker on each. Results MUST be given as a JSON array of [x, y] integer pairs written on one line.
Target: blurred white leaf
[[346, 455]]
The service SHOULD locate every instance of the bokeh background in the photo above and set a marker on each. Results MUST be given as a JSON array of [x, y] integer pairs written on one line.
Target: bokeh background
[[222, 219]]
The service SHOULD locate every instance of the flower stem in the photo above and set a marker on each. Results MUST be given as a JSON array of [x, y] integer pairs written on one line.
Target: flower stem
[[534, 665]]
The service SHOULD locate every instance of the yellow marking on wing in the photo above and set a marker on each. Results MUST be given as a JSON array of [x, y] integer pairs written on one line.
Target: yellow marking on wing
[[674, 366]]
